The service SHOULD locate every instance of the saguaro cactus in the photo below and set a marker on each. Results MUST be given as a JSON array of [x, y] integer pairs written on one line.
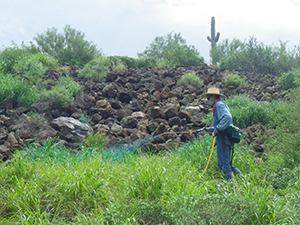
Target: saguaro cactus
[[213, 39]]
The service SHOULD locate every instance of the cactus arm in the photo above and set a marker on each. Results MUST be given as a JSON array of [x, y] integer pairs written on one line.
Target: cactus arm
[[217, 37]]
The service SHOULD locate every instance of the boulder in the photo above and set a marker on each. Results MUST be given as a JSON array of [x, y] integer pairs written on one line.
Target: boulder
[[71, 129]]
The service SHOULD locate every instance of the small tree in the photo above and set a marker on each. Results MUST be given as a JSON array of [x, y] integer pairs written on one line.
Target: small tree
[[67, 47], [173, 50]]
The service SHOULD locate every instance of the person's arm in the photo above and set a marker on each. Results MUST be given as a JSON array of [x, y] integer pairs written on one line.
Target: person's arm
[[224, 115]]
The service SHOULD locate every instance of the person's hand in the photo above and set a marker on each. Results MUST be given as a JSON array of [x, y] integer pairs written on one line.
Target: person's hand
[[215, 133]]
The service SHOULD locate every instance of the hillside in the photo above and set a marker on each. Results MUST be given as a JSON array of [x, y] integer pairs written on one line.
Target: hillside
[[126, 106]]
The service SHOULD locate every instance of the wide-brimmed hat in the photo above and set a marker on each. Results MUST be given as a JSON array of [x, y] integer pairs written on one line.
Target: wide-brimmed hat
[[211, 91]]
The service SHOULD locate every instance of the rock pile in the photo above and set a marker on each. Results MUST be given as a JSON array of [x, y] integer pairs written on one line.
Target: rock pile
[[126, 106]]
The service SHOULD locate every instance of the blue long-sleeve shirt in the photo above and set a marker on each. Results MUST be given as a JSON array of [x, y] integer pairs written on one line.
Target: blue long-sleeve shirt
[[222, 117]]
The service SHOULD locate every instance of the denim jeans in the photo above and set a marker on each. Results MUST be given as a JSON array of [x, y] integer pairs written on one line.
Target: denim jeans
[[224, 147]]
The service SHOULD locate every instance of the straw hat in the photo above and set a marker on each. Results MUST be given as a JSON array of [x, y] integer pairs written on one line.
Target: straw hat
[[211, 91]]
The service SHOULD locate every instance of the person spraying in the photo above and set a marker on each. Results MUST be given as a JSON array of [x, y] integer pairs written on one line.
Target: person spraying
[[222, 119]]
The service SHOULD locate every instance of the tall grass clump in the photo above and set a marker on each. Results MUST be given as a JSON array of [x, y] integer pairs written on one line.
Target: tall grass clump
[[14, 87], [49, 184]]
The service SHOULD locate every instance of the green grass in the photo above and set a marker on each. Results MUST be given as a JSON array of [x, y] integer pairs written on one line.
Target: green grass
[[50, 184]]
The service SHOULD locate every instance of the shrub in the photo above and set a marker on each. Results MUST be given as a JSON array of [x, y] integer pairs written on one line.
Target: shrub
[[246, 112], [285, 144], [173, 49], [190, 79], [15, 87], [255, 57], [69, 84], [9, 57], [58, 95], [290, 79], [134, 63], [226, 49], [146, 62], [234, 80], [96, 69], [31, 69], [47, 61], [67, 47]]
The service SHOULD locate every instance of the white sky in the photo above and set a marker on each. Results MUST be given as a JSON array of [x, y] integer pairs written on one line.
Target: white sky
[[127, 27]]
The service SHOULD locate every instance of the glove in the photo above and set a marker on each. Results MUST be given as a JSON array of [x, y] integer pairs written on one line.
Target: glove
[[215, 133]]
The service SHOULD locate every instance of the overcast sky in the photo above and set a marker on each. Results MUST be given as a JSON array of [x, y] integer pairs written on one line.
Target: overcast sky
[[127, 27]]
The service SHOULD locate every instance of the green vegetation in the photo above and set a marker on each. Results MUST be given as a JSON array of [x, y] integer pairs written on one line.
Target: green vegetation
[[234, 80], [172, 50], [190, 79], [96, 69], [14, 87], [290, 79], [95, 140], [134, 63], [253, 56], [246, 112], [286, 140], [67, 47], [50, 185], [58, 95]]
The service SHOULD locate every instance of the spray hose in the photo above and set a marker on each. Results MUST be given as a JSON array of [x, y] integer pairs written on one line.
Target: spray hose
[[212, 149], [198, 132]]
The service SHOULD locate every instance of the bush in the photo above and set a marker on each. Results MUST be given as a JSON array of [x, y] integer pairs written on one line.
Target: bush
[[234, 80], [246, 112], [31, 69], [172, 49], [190, 79], [225, 49], [96, 69], [47, 61], [68, 83], [134, 63], [257, 57], [9, 57], [58, 95], [285, 144], [290, 79], [67, 47], [15, 87]]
